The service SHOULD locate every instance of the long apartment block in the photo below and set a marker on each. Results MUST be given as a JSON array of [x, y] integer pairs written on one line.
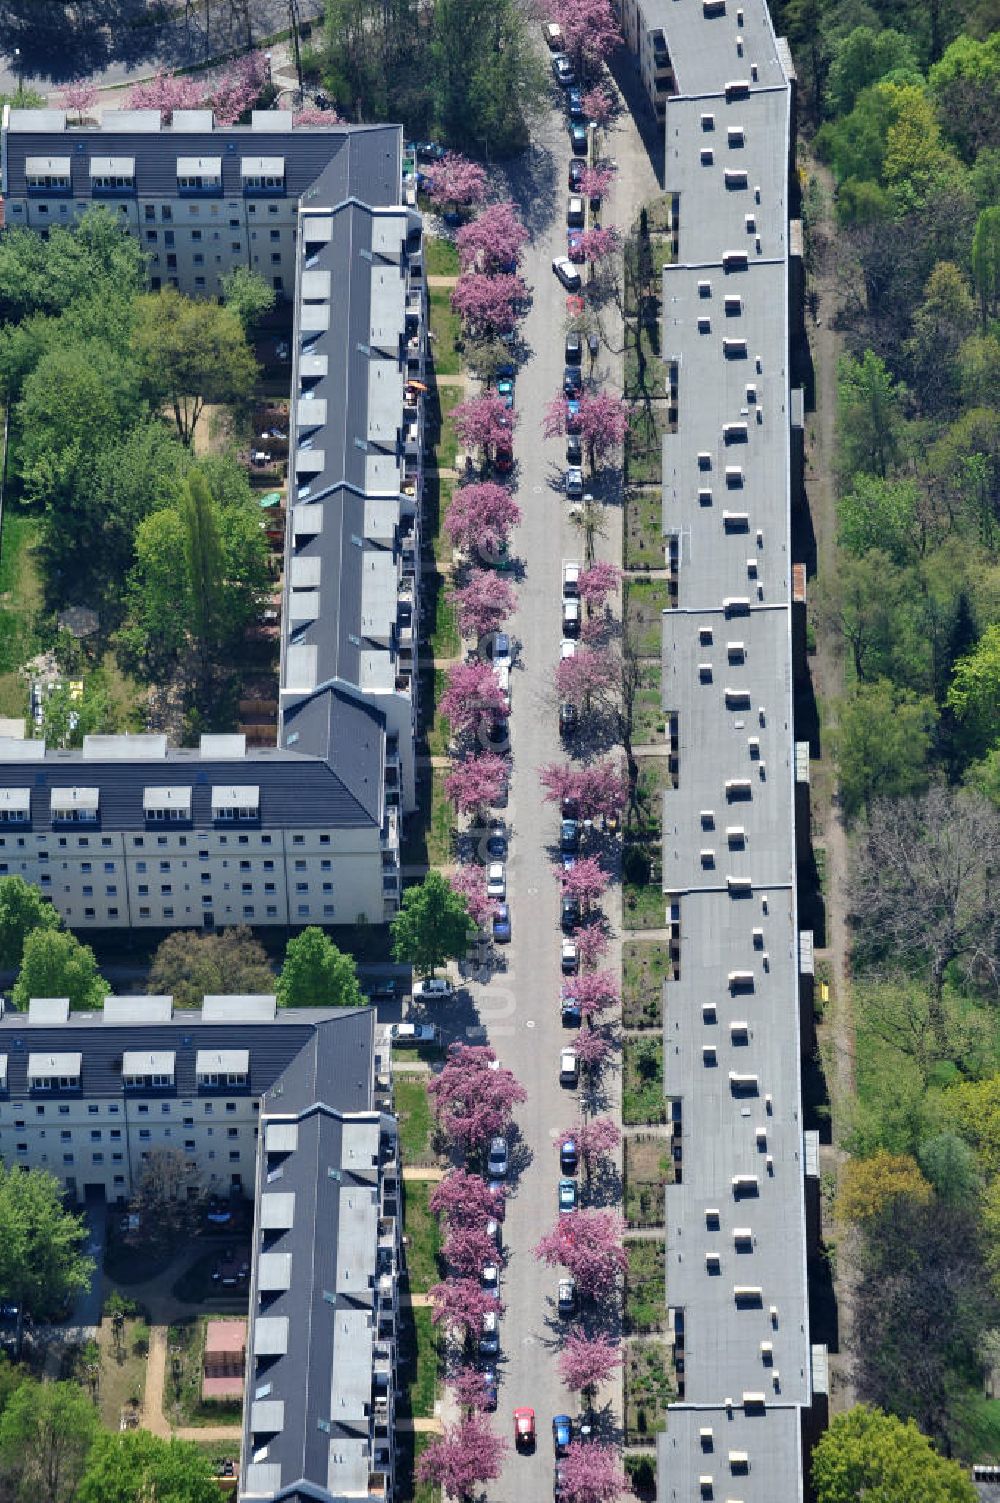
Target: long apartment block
[[320, 213], [291, 1108], [750, 1383]]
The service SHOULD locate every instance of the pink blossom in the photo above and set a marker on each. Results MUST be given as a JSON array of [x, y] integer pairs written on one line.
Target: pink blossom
[[601, 790], [312, 116], [488, 304], [476, 782], [585, 880], [470, 883], [598, 106], [593, 1050], [456, 180], [592, 941], [596, 181], [467, 1250], [597, 1139], [590, 30], [593, 991], [603, 423], [599, 243], [589, 1244], [592, 1473], [560, 781], [555, 416], [586, 1362], [591, 671], [471, 1101], [493, 241], [481, 516], [463, 1457], [471, 698], [484, 603], [465, 1199], [460, 1304], [239, 88], [469, 1387], [166, 92], [484, 421], [80, 97], [598, 582]]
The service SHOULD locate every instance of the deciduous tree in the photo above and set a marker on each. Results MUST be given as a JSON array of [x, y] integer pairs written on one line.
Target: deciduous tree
[[316, 974], [168, 1198], [593, 1050], [868, 1455], [472, 698], [586, 880], [592, 1473], [465, 1199], [974, 696], [248, 295], [463, 1457], [23, 909], [167, 92], [597, 583], [55, 964], [488, 305], [867, 1184], [598, 107], [592, 940], [191, 353], [590, 31], [586, 1362], [592, 671], [484, 421], [472, 1099], [80, 97], [467, 1249], [42, 1263], [481, 516], [459, 1304], [469, 882], [883, 741], [46, 1433], [190, 965], [595, 181], [869, 405], [589, 1244], [493, 241], [594, 991], [239, 88], [476, 782], [483, 603], [433, 925], [470, 1389], [457, 181], [135, 1466]]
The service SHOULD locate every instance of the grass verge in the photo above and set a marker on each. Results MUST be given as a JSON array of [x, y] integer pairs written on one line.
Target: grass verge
[[642, 1086], [445, 328], [643, 541], [645, 602], [645, 967], [649, 1388], [423, 1236], [648, 1169], [645, 1286], [416, 1124], [440, 257]]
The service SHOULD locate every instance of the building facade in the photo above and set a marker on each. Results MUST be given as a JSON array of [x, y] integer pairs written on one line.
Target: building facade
[[255, 1099], [320, 213]]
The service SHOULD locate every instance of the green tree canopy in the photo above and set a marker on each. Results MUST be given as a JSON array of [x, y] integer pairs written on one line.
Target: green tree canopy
[[870, 416], [965, 85], [986, 261], [48, 276], [974, 696], [191, 353], [870, 1457], [432, 926], [317, 974], [878, 513], [42, 1265], [883, 743], [864, 57], [46, 1433], [55, 964], [950, 1165], [190, 965], [136, 1466], [248, 295], [22, 910], [940, 324]]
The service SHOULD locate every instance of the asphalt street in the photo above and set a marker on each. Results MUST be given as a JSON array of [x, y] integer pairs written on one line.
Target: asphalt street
[[520, 1006]]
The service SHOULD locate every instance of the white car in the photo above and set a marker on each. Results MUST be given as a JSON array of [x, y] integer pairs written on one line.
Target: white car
[[571, 618], [571, 579], [567, 648], [496, 880], [414, 1033], [569, 1067], [567, 273], [490, 1278], [570, 960], [434, 989]]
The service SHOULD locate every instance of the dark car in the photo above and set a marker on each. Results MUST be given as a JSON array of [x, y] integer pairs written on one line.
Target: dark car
[[572, 380], [380, 991], [570, 1013], [574, 247], [576, 171], [569, 835], [426, 151], [569, 808], [569, 914], [501, 924], [569, 718], [578, 138], [573, 351], [563, 70], [490, 1388], [574, 449], [503, 459], [574, 103], [573, 421], [506, 370], [569, 1156]]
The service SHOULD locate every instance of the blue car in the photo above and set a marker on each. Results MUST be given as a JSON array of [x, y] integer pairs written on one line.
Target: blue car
[[574, 101], [505, 389], [568, 1156], [562, 1433], [578, 138], [573, 415], [567, 1196], [571, 1015], [501, 924]]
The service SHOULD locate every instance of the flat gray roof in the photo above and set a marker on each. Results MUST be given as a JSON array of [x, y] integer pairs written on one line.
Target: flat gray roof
[[769, 1439]]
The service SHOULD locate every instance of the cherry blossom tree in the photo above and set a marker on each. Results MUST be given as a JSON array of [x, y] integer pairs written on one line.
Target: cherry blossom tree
[[471, 698], [481, 516], [457, 181], [560, 780], [593, 1050], [239, 88], [598, 106], [460, 1304], [488, 304], [467, 1250], [166, 92], [597, 583], [493, 241], [592, 941], [592, 1473], [601, 790], [470, 1388], [313, 116], [597, 1140], [593, 991], [590, 30], [595, 181], [483, 603], [464, 1456], [80, 97], [465, 1199], [603, 424], [472, 1101], [591, 671], [476, 782], [585, 880], [470, 883], [599, 243], [555, 417], [586, 1362], [484, 421], [589, 1244]]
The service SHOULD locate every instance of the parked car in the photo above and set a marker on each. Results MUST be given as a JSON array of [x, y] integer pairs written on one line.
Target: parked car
[[569, 914], [570, 579], [490, 1387], [569, 958], [380, 991], [576, 212], [573, 482], [571, 618], [566, 1297], [524, 1429], [573, 348], [567, 273], [426, 151], [567, 1188], [563, 71], [569, 835], [574, 449], [414, 1033], [494, 1233], [496, 841], [578, 138], [500, 647], [499, 1158], [503, 459], [506, 370], [569, 1156], [569, 719], [490, 1277], [567, 648], [489, 1338], [562, 1433], [573, 420], [570, 1013], [505, 389], [576, 171], [558, 1486], [501, 925], [434, 989], [496, 880], [574, 247], [572, 380], [569, 1072], [552, 33], [574, 103]]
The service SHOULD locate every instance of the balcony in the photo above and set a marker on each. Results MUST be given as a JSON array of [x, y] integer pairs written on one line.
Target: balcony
[[384, 1362], [390, 834]]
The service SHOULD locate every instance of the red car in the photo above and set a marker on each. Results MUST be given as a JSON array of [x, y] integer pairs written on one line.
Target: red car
[[524, 1429], [503, 459]]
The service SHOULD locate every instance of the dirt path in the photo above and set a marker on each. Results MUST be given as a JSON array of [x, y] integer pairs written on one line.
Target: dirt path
[[829, 835]]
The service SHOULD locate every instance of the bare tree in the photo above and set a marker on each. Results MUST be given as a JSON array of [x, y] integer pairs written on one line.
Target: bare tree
[[923, 888], [168, 1197]]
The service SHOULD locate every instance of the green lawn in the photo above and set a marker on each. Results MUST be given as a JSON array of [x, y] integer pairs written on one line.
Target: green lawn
[[643, 443], [644, 529], [20, 602], [447, 444], [649, 723], [438, 491], [446, 328], [440, 257], [416, 1124], [439, 837], [645, 1286], [423, 1378], [645, 966], [648, 1169], [649, 1388], [409, 1449], [645, 602], [423, 1235], [645, 373], [645, 905], [445, 640], [642, 1087], [654, 777], [436, 727]]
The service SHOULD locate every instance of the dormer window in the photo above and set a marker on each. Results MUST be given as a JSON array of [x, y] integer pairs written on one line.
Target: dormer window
[[222, 1067], [199, 174], [164, 805], [233, 802], [48, 174], [112, 174], [15, 806], [54, 1072], [145, 1071], [74, 805], [263, 174]]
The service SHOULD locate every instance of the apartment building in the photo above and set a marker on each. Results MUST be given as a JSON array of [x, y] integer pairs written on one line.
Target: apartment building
[[257, 1099], [643, 25], [750, 1383], [320, 212]]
